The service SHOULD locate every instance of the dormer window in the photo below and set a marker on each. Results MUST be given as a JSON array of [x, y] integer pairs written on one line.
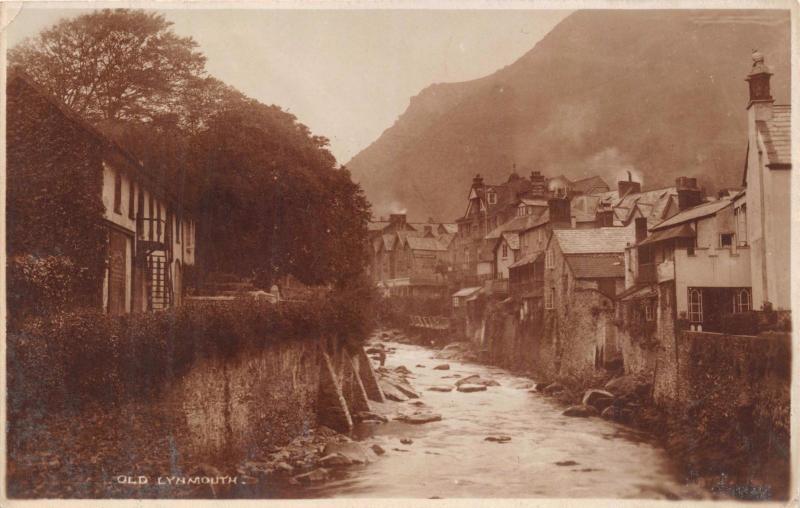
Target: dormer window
[[491, 197]]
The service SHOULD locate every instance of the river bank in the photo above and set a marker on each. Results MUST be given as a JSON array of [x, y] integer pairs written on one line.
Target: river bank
[[709, 454], [457, 428]]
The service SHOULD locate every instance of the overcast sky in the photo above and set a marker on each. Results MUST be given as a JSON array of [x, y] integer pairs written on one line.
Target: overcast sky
[[347, 74]]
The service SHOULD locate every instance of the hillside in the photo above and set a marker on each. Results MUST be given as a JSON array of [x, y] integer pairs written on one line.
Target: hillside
[[661, 93]]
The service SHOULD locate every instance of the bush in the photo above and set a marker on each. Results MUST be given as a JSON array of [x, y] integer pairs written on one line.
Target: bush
[[73, 358], [41, 285]]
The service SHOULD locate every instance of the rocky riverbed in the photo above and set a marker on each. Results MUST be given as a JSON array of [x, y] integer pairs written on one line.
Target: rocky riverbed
[[454, 428]]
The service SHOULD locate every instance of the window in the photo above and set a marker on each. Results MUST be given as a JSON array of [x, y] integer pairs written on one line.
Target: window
[[117, 192], [695, 305], [178, 228], [649, 315], [541, 235], [455, 301], [726, 240], [549, 262], [492, 198], [131, 201], [549, 298], [505, 250], [741, 301], [740, 214], [151, 208], [474, 228], [140, 213], [466, 255]]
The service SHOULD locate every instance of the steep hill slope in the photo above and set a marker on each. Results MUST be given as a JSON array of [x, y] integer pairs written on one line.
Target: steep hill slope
[[660, 93]]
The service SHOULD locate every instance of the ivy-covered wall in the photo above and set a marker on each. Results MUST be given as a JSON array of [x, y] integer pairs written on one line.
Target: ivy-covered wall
[[54, 181]]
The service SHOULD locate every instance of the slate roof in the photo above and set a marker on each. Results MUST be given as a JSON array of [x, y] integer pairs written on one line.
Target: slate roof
[[694, 213], [424, 243], [591, 185], [445, 239], [512, 239], [596, 266], [377, 225], [594, 241], [526, 260], [777, 134], [522, 223], [467, 291], [449, 227], [682, 231]]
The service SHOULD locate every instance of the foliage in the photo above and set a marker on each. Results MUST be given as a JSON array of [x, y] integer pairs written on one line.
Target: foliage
[[53, 219], [273, 203], [634, 321], [69, 359], [114, 64]]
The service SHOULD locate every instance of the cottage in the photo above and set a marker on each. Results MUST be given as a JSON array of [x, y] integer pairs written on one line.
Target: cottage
[[765, 209], [150, 237]]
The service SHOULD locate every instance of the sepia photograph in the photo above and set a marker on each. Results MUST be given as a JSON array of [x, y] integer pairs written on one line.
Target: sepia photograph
[[286, 251]]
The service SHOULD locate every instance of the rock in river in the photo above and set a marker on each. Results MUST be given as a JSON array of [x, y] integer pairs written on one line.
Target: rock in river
[[498, 439], [581, 410], [317, 475], [369, 416], [468, 388], [597, 398], [402, 370], [378, 449], [334, 460], [444, 366], [407, 440], [440, 389], [418, 417], [391, 392], [553, 388], [355, 452], [475, 379]]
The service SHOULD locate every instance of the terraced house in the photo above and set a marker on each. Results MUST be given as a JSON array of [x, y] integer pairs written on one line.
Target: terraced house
[[148, 236]]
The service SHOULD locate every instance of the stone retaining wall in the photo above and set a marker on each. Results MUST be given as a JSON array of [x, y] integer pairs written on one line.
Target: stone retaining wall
[[270, 397]]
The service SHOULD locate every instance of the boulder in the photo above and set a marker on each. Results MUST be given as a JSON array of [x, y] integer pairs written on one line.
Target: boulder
[[444, 366], [468, 379], [623, 385], [407, 440], [405, 389], [378, 449], [356, 453], [539, 387], [284, 467], [566, 463], [419, 365], [597, 398], [498, 439], [581, 410], [610, 413], [419, 417], [391, 392], [553, 388], [376, 349], [469, 388], [334, 460], [317, 475], [402, 369], [417, 403], [366, 416], [475, 379], [440, 389]]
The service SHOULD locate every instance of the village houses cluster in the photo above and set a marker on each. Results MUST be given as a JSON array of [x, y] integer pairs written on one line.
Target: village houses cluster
[[592, 273]]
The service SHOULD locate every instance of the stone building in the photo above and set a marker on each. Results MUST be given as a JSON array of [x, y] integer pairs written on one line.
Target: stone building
[[149, 236], [767, 203]]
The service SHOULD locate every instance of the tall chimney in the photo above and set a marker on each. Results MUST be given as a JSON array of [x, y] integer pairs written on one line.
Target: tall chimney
[[477, 182], [629, 186], [539, 186], [560, 213], [640, 223], [760, 97], [398, 220], [689, 194]]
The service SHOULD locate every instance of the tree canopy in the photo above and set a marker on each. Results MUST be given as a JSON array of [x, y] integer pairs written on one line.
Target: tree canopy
[[268, 195]]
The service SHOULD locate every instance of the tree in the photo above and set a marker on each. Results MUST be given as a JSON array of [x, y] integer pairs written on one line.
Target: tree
[[272, 202], [114, 64]]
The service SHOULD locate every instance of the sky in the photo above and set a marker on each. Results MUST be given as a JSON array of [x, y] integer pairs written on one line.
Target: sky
[[346, 74]]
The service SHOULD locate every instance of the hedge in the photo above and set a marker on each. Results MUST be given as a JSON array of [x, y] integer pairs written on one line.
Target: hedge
[[73, 358]]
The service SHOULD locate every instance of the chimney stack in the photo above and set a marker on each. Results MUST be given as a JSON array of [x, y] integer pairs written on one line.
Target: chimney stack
[[629, 186], [560, 213], [760, 96], [640, 223], [477, 182], [689, 194], [539, 186], [398, 220]]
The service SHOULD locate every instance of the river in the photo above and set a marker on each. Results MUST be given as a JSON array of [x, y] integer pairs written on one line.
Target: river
[[451, 458]]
